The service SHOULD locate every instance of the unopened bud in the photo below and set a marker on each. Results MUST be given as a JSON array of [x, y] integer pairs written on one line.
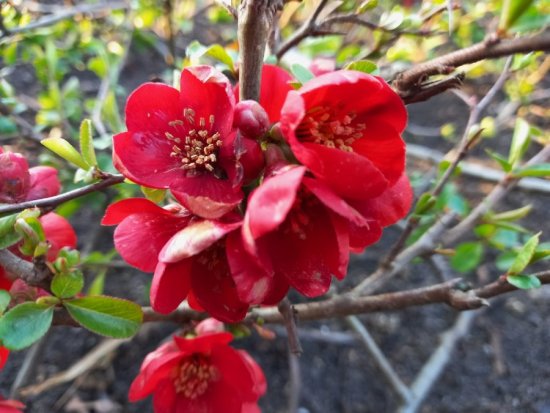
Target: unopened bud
[[209, 326], [14, 178], [251, 119], [252, 160]]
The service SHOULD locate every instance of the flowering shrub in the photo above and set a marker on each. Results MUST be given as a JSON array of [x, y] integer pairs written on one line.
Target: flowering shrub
[[200, 374]]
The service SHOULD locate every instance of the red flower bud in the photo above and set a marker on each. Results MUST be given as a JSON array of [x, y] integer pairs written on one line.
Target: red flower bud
[[14, 178], [251, 119], [252, 160]]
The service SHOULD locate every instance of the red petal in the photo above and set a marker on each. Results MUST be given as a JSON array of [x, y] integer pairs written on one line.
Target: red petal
[[156, 367], [392, 205], [117, 212], [207, 196], [254, 284], [151, 106], [362, 237], [4, 353], [260, 384], [43, 183], [269, 205], [59, 233], [214, 288], [194, 239], [208, 92], [144, 157], [341, 229], [203, 344], [383, 146], [5, 282], [234, 372], [165, 399], [171, 283], [140, 237]]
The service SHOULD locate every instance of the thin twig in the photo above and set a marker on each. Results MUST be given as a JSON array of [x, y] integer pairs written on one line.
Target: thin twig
[[56, 200], [287, 312], [294, 382], [378, 356]]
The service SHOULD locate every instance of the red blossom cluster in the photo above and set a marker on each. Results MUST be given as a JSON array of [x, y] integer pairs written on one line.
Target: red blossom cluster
[[267, 195], [200, 373]]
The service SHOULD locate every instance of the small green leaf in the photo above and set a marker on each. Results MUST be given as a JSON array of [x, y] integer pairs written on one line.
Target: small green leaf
[[520, 141], [218, 52], [8, 235], [467, 256], [301, 73], [511, 11], [87, 143], [524, 256], [5, 299], [524, 282], [24, 324], [153, 194], [365, 66], [66, 285], [366, 5], [504, 164], [65, 150], [541, 169], [505, 259], [425, 203], [512, 215], [97, 286], [109, 316]]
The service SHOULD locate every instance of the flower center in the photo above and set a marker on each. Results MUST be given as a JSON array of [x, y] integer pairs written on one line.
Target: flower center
[[298, 217], [194, 375], [331, 128], [198, 148]]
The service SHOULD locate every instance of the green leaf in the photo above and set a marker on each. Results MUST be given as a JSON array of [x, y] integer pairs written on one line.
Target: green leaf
[[541, 169], [505, 259], [511, 11], [66, 285], [153, 194], [512, 215], [366, 5], [108, 316], [524, 282], [365, 66], [524, 256], [8, 235], [24, 324], [87, 143], [504, 164], [520, 141], [5, 299], [425, 203], [65, 150], [301, 73], [219, 53], [467, 256], [97, 286]]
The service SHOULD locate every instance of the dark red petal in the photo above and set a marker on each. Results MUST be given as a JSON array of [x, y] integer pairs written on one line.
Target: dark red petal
[[270, 203], [194, 239], [59, 233], [234, 372], [348, 174], [140, 237], [151, 106], [341, 229], [260, 383], [214, 288], [208, 92], [203, 344], [333, 201], [171, 283], [43, 183], [144, 157], [5, 282], [362, 237], [254, 284], [117, 212], [392, 205], [14, 177], [207, 196], [193, 303], [383, 146]]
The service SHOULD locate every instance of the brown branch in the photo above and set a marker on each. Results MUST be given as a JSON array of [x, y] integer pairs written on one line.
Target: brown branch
[[36, 275], [286, 310], [407, 81], [54, 201], [256, 18]]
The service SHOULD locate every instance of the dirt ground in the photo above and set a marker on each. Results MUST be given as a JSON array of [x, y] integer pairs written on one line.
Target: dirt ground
[[502, 365]]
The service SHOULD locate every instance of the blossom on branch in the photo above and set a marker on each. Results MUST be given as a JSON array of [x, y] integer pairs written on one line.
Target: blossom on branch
[[200, 375], [183, 140], [11, 406]]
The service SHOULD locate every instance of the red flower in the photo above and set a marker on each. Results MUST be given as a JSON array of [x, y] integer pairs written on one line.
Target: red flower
[[300, 232], [183, 140], [186, 253], [345, 127], [4, 353], [11, 406], [200, 375]]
